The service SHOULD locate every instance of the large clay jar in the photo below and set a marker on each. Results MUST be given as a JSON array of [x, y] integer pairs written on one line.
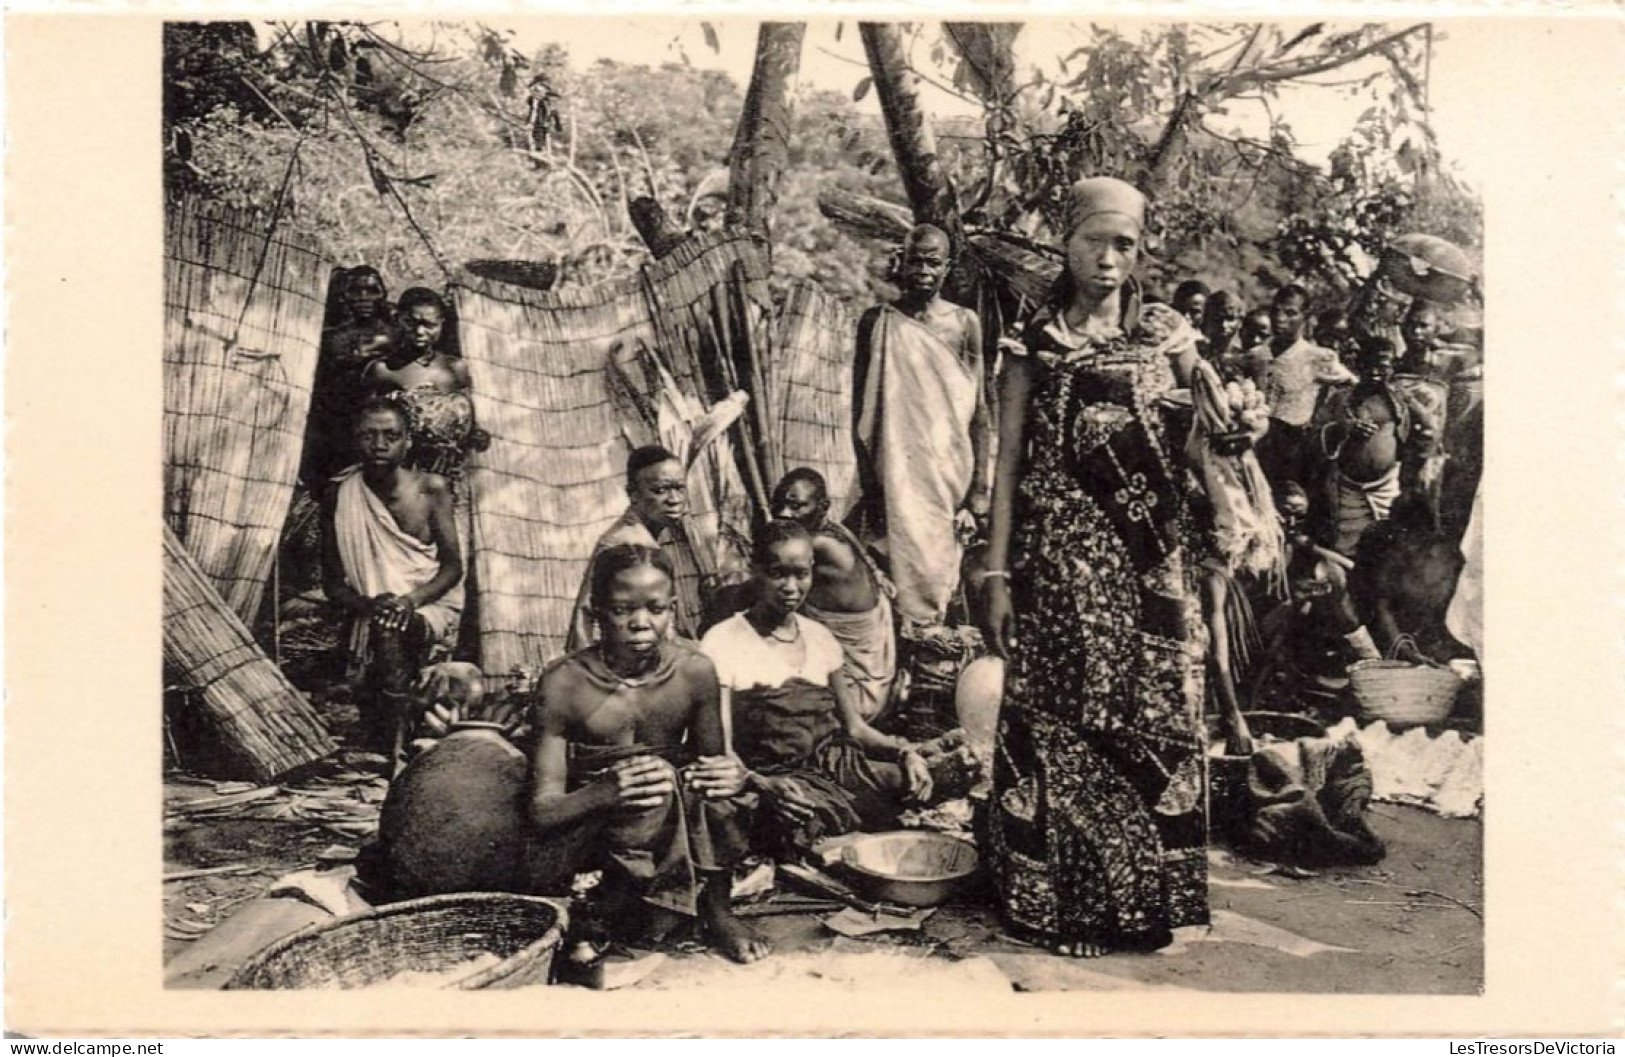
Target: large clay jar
[[454, 820]]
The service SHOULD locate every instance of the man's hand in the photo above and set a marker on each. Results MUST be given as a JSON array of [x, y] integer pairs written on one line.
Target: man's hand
[[717, 777], [1429, 474], [1363, 428], [965, 526], [391, 612], [785, 796], [641, 782], [916, 776], [441, 716]]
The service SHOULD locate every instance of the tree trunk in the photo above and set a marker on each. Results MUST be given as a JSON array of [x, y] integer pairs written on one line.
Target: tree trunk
[[761, 147], [868, 217], [987, 50], [654, 227], [1170, 145], [930, 194]]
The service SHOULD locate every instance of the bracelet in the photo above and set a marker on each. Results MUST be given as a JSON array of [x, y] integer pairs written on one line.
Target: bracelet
[[993, 574]]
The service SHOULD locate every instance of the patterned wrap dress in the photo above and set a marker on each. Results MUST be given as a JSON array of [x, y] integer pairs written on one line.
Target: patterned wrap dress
[[1097, 824]]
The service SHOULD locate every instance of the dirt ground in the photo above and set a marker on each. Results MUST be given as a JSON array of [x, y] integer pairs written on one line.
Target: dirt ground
[[1410, 925]]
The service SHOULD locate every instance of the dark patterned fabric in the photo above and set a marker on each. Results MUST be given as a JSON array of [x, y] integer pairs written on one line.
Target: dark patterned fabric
[[441, 425], [1098, 831], [793, 732]]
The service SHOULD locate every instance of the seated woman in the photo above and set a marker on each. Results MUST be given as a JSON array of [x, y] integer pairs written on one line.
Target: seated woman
[[614, 723], [820, 768], [432, 386]]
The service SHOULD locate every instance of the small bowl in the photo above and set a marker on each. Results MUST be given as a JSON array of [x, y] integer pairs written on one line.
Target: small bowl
[[911, 867]]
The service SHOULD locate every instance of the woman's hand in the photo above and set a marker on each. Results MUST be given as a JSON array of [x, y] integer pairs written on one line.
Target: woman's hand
[[640, 783], [916, 776], [718, 777], [785, 796], [998, 618]]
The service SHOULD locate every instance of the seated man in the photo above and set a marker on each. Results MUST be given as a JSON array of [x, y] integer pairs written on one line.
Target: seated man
[[1317, 579], [657, 485], [920, 430], [1404, 578], [1368, 433], [392, 560], [628, 774], [849, 595], [820, 768]]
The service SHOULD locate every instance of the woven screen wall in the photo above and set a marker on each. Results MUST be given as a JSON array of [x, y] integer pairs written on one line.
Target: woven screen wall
[[242, 326], [811, 377], [553, 479], [262, 725]]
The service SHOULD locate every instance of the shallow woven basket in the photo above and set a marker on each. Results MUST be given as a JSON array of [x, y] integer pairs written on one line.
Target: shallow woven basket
[[1402, 694], [421, 935]]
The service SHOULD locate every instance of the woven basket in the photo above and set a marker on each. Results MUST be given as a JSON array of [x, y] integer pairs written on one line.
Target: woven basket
[[421, 935], [1404, 695]]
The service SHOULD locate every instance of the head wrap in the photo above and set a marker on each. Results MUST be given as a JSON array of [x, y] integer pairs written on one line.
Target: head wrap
[[1103, 194]]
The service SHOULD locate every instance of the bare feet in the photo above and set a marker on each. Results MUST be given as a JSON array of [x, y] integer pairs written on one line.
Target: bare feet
[[729, 936], [1080, 950], [653, 927], [734, 939]]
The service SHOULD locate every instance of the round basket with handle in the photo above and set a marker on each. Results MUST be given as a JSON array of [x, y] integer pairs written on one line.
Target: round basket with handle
[[1402, 694], [432, 936]]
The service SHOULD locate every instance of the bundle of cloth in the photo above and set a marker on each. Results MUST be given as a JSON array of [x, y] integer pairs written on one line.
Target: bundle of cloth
[[1305, 804]]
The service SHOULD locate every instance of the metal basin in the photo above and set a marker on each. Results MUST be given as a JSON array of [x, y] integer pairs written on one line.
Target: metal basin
[[910, 867]]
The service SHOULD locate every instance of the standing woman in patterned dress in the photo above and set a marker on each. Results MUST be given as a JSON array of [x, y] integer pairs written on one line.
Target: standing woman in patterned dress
[[1097, 829]]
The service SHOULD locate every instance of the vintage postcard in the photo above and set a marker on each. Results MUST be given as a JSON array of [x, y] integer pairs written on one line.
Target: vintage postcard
[[1056, 523]]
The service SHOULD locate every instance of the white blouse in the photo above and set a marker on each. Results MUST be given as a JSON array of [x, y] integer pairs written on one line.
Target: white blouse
[[745, 660]]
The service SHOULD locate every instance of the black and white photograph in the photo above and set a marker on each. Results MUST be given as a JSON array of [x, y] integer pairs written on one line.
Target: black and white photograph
[[702, 522], [650, 504]]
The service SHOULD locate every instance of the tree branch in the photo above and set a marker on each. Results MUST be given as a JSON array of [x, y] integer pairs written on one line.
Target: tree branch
[[1233, 83]]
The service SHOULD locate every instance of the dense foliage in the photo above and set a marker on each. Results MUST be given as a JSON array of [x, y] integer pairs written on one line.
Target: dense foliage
[[417, 160], [418, 157]]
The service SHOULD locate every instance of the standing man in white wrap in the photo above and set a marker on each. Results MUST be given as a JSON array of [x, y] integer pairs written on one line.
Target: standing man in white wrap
[[920, 425]]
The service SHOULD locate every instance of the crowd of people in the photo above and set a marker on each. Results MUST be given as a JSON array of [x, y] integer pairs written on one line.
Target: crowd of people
[[1140, 479]]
